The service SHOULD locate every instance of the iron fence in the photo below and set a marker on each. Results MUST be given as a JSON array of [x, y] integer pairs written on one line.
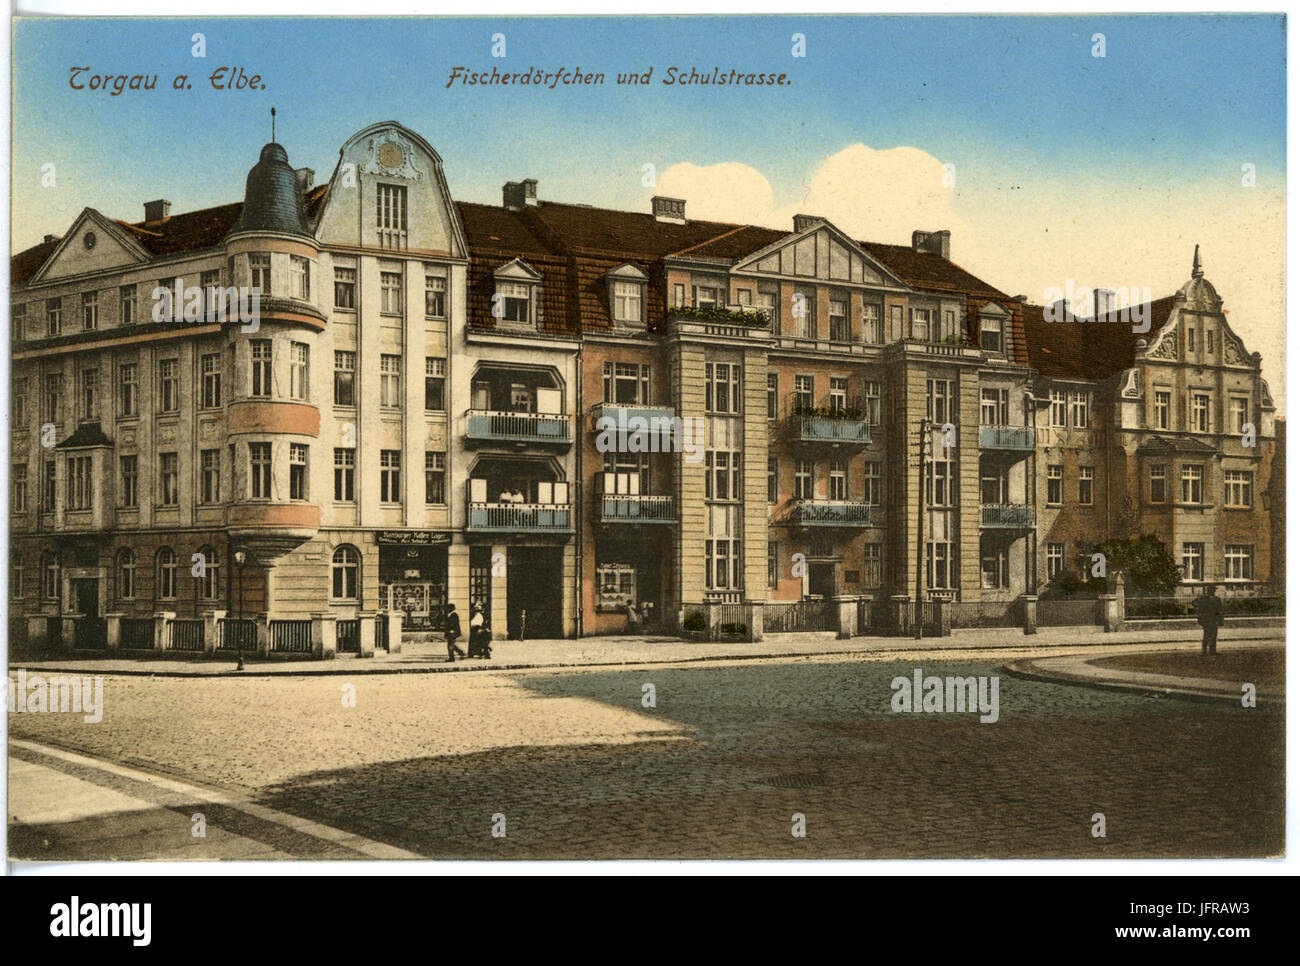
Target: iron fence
[[291, 637], [187, 635]]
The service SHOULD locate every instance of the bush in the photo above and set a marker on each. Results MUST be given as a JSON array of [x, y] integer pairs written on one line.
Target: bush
[[740, 629], [695, 622]]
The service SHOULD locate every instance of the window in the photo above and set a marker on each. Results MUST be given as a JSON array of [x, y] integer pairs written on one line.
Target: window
[[773, 564], [941, 401], [261, 361], [615, 586], [838, 481], [941, 564], [390, 293], [80, 483], [512, 302], [130, 470], [53, 398], [390, 476], [803, 480], [345, 366], [297, 471], [1160, 413], [679, 295], [390, 381], [1085, 485], [166, 574], [435, 478], [921, 320], [1193, 561], [722, 387], [769, 302], [168, 475], [626, 383], [390, 215], [839, 395], [18, 315], [773, 486], [1056, 417], [994, 484], [210, 476], [51, 585], [53, 317], [345, 461], [941, 483], [345, 289], [803, 393], [995, 564], [165, 308], [1200, 416], [873, 331], [16, 576], [773, 391], [1191, 338], [20, 401], [345, 568], [210, 282], [722, 564], [210, 575], [839, 319], [299, 277], [872, 408], [1191, 483], [299, 370], [1209, 340], [872, 565], [896, 322], [127, 389], [126, 305], [259, 471], [89, 395], [169, 400], [1055, 485], [48, 486], [994, 408], [18, 502], [90, 310], [1055, 560], [1159, 483], [804, 310], [1237, 486], [722, 475], [259, 270], [871, 483], [210, 375], [991, 339], [629, 302], [1238, 413], [702, 295], [435, 295], [1080, 403], [435, 380], [126, 574], [1238, 562]]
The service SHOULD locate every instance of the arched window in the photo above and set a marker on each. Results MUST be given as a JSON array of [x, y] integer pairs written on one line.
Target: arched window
[[126, 573], [210, 578], [51, 585], [346, 571], [166, 574], [16, 576]]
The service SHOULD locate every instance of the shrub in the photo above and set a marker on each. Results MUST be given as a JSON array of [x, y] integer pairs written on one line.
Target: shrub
[[695, 621]]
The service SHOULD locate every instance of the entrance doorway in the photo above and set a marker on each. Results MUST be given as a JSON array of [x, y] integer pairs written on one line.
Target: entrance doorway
[[534, 593], [821, 580], [92, 632]]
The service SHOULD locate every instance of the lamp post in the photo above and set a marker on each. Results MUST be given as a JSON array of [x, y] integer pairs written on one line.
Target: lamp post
[[241, 558]]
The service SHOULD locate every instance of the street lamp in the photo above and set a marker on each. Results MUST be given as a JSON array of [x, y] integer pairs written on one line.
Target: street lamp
[[241, 558]]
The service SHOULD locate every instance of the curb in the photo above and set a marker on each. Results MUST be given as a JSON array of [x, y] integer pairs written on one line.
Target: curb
[[1028, 670]]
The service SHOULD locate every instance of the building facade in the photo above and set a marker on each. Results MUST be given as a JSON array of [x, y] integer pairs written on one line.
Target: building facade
[[581, 420]]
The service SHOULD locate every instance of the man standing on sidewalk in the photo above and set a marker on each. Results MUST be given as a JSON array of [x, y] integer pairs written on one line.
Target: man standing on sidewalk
[[451, 626], [1209, 613]]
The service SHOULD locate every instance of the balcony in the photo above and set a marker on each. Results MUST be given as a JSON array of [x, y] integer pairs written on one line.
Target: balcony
[[1006, 516], [622, 415], [623, 508], [830, 425], [520, 518], [1011, 439], [519, 428], [829, 513]]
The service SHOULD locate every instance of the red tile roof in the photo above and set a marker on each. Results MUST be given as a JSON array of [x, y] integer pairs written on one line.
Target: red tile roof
[[1081, 348]]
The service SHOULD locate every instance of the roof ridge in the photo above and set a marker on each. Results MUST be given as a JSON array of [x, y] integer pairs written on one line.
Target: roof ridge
[[710, 241]]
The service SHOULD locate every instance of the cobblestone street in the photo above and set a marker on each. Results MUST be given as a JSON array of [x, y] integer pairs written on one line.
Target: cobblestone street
[[580, 769]]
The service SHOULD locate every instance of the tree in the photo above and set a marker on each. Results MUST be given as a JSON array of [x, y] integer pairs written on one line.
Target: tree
[[1147, 564]]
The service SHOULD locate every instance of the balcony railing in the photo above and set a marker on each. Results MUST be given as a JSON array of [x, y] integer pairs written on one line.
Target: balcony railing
[[624, 508], [1007, 516], [493, 426], [622, 413], [830, 513], [828, 424], [521, 517], [1018, 439]]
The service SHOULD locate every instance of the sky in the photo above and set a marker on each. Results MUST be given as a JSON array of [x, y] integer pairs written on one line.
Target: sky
[[1053, 167]]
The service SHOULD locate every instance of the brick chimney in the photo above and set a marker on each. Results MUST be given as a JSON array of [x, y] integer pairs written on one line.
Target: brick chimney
[[671, 210], [803, 222], [1103, 304], [157, 210], [51, 238], [935, 242], [518, 195], [306, 177]]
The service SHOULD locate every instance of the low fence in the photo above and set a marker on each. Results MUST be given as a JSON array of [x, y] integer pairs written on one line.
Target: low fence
[[1068, 612], [291, 637], [187, 635], [137, 633], [800, 615], [381, 632], [1168, 606], [238, 635], [348, 636], [979, 613]]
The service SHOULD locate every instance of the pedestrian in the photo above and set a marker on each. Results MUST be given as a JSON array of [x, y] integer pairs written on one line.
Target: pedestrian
[[633, 617], [451, 627], [1209, 614], [523, 622]]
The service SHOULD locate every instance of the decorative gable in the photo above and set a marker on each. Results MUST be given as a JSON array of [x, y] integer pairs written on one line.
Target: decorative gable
[[94, 243], [820, 252]]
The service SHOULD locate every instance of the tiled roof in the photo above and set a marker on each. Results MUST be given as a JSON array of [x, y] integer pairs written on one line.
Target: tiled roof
[[1081, 348]]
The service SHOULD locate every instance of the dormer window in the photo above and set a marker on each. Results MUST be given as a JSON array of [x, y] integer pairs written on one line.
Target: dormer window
[[517, 299], [990, 334], [627, 296], [513, 300]]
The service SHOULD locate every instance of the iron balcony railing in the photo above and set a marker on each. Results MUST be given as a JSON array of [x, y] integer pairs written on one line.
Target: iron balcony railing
[[487, 425], [626, 508], [521, 517], [629, 411], [1018, 439], [1007, 516], [830, 513], [828, 424]]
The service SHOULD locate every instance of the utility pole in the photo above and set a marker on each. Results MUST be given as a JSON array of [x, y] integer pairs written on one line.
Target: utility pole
[[922, 450]]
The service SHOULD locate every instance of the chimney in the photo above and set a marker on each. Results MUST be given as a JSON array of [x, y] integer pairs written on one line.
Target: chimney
[[157, 210], [935, 242], [803, 222], [51, 238], [1103, 304], [671, 210], [517, 195], [306, 177]]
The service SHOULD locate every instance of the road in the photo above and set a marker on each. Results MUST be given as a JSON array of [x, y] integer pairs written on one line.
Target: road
[[571, 764]]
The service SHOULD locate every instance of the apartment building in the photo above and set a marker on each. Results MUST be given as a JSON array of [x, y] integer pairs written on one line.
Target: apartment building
[[421, 414]]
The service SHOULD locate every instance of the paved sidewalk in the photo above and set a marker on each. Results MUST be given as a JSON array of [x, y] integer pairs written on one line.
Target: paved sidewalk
[[614, 651], [1083, 669]]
